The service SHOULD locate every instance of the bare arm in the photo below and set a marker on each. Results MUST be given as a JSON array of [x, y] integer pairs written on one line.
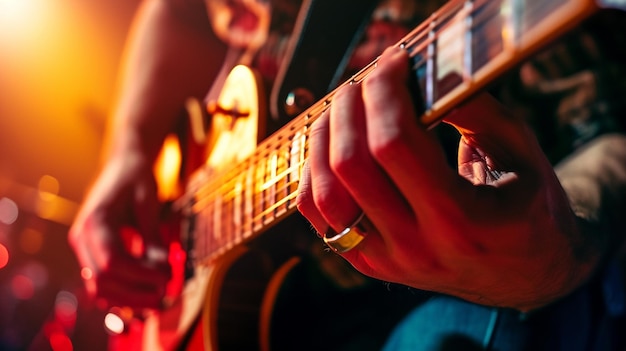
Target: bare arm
[[171, 55], [594, 179]]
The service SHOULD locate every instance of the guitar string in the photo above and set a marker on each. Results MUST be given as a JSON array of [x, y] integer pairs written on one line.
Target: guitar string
[[313, 117], [418, 38], [228, 200]]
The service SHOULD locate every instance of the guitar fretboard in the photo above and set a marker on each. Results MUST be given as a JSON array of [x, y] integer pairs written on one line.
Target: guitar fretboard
[[454, 54]]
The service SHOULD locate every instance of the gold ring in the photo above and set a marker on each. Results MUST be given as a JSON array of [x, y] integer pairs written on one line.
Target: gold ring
[[350, 237]]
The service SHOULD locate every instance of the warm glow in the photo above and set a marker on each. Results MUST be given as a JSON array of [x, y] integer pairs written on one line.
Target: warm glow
[[22, 287], [46, 207], [65, 307], [167, 169], [57, 209], [114, 323], [86, 273], [31, 241], [16, 11], [59, 59], [60, 342], [21, 19], [508, 30], [4, 256], [48, 187], [37, 273]]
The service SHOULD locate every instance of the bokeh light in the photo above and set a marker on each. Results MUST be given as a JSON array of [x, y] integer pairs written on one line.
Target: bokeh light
[[22, 287], [4, 256], [20, 20], [65, 308], [113, 323], [167, 169], [86, 273], [15, 11], [8, 210], [37, 272], [31, 241], [60, 342], [48, 188]]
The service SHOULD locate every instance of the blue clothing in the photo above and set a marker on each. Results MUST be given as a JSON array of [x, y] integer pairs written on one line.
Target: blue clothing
[[591, 318]]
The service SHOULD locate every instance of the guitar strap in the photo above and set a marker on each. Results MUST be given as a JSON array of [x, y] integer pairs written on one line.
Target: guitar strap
[[324, 37]]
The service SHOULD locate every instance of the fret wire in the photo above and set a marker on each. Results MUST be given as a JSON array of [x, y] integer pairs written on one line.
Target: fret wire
[[422, 45], [431, 67], [211, 183], [227, 218], [207, 220], [262, 216], [229, 194], [415, 43], [437, 24], [198, 240], [234, 209], [448, 12], [546, 7], [217, 221], [258, 194], [199, 246], [281, 167], [209, 210], [415, 35], [447, 54], [484, 11], [226, 189], [296, 159], [269, 185], [249, 202], [512, 12], [290, 194], [238, 207], [422, 31], [467, 44], [489, 38], [315, 111], [486, 53]]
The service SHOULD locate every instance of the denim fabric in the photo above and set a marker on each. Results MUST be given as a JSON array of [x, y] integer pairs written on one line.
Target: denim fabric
[[576, 322], [445, 323]]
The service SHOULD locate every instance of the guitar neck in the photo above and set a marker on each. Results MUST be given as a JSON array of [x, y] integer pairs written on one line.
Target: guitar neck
[[455, 53]]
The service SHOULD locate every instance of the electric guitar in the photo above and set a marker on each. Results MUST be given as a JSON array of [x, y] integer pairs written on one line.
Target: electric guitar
[[239, 250]]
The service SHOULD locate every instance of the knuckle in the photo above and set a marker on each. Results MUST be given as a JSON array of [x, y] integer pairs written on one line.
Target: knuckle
[[325, 201], [375, 79], [317, 128], [344, 161], [346, 92], [385, 144]]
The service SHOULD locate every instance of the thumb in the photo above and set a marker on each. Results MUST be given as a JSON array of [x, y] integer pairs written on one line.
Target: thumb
[[489, 127], [147, 212]]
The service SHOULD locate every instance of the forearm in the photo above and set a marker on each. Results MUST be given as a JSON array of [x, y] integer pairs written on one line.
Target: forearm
[[170, 56], [595, 182]]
